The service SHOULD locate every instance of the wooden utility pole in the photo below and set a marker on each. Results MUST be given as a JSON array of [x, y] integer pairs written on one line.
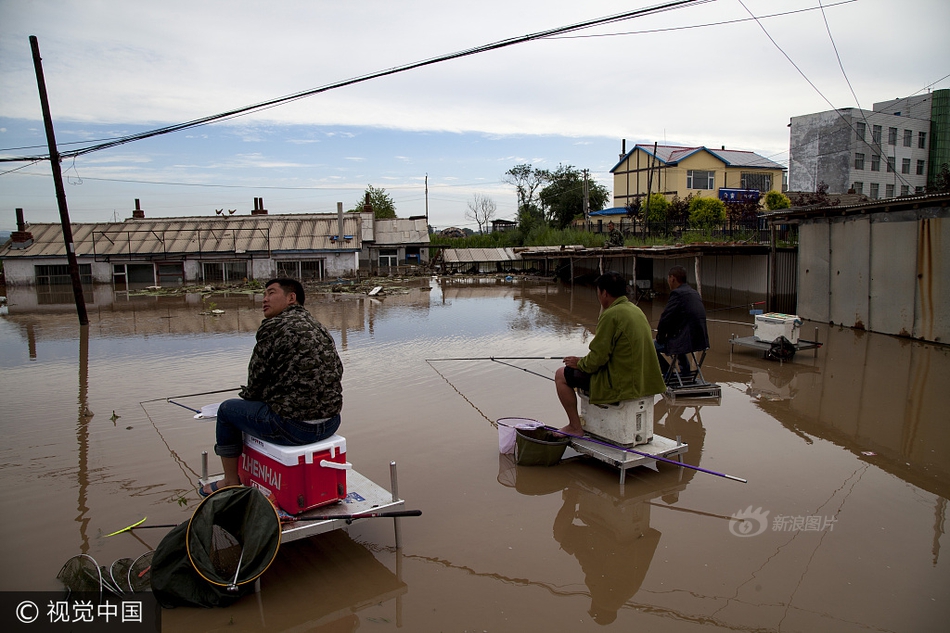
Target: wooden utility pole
[[586, 202], [58, 183]]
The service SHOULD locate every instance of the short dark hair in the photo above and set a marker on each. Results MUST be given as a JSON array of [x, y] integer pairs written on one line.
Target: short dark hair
[[678, 273], [613, 284], [289, 285]]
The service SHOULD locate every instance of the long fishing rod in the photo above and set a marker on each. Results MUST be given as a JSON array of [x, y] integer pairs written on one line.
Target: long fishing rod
[[190, 395], [432, 360], [521, 368], [742, 305], [636, 452], [349, 518]]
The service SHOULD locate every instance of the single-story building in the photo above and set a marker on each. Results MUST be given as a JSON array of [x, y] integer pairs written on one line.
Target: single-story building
[[224, 248]]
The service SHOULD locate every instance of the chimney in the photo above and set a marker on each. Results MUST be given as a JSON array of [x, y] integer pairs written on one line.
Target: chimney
[[259, 207], [137, 212], [367, 205], [623, 147], [339, 220], [21, 238]]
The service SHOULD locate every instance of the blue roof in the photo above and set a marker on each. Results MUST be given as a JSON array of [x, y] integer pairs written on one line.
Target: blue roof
[[609, 212]]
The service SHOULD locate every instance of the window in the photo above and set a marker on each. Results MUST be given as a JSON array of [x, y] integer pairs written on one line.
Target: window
[[920, 167], [922, 140], [875, 162], [892, 136], [908, 138], [890, 164], [905, 166], [696, 179], [875, 188], [170, 273], [860, 130], [301, 270], [58, 274], [388, 257], [859, 161], [919, 189], [759, 182], [888, 191], [905, 190], [858, 187], [224, 271], [876, 134]]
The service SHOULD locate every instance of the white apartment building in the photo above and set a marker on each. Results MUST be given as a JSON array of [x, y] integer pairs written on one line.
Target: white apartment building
[[881, 153]]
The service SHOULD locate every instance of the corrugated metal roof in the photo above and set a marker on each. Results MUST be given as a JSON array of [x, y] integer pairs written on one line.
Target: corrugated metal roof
[[673, 154], [402, 231], [185, 236], [476, 255]]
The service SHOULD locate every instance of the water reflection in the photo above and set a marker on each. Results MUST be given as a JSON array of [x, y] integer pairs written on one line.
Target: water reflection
[[569, 541], [605, 525]]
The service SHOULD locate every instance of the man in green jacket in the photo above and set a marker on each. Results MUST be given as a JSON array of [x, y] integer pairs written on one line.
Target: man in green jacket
[[621, 364]]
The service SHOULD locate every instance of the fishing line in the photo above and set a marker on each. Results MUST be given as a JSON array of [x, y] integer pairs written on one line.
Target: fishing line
[[490, 421]]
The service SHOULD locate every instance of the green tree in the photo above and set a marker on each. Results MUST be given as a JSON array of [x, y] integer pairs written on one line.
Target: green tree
[[382, 203], [563, 198], [526, 180], [775, 200], [705, 213]]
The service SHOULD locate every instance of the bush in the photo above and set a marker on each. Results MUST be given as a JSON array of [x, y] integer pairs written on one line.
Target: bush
[[775, 200], [659, 206], [706, 213]]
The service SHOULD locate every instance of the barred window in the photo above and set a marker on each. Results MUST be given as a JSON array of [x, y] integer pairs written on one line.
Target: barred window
[[760, 182]]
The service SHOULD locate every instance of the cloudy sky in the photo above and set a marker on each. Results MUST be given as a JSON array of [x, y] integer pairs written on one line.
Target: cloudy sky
[[703, 73]]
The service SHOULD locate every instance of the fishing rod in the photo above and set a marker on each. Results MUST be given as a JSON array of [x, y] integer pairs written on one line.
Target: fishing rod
[[521, 368], [636, 452], [349, 518], [432, 360], [743, 305], [190, 395]]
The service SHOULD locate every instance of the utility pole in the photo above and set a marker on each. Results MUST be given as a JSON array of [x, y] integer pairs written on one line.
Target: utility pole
[[58, 183], [427, 202], [586, 202]]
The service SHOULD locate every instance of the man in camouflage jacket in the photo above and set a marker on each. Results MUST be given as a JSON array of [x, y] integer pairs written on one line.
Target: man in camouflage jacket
[[293, 394]]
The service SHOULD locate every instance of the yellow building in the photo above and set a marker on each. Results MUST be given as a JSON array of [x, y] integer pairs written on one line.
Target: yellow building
[[700, 171]]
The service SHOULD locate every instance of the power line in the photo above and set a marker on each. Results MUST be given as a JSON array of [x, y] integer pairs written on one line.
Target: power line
[[627, 15]]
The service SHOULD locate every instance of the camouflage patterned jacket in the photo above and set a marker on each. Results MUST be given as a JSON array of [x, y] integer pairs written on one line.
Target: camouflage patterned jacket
[[295, 368]]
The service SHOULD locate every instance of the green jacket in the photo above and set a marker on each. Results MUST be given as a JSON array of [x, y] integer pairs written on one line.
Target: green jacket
[[622, 362]]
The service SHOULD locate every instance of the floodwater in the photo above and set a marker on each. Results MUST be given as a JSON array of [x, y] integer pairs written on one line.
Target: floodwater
[[845, 451]]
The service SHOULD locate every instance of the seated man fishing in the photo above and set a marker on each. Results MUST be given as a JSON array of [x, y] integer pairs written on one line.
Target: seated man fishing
[[682, 326], [293, 394], [621, 364]]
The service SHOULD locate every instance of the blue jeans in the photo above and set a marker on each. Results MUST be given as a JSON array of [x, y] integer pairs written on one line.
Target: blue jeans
[[237, 416]]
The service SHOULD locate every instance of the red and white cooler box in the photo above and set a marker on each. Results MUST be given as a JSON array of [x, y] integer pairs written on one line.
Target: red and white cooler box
[[298, 478]]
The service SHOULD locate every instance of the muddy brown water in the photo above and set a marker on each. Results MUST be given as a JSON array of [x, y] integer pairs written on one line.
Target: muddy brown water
[[845, 450]]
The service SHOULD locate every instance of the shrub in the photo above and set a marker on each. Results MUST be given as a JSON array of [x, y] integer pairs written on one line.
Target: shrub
[[775, 200], [705, 213]]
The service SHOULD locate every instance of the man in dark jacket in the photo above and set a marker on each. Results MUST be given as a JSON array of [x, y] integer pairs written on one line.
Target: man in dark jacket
[[682, 326], [293, 394]]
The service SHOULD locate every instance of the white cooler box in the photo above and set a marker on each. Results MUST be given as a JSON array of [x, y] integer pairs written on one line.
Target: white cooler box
[[771, 325], [628, 423]]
